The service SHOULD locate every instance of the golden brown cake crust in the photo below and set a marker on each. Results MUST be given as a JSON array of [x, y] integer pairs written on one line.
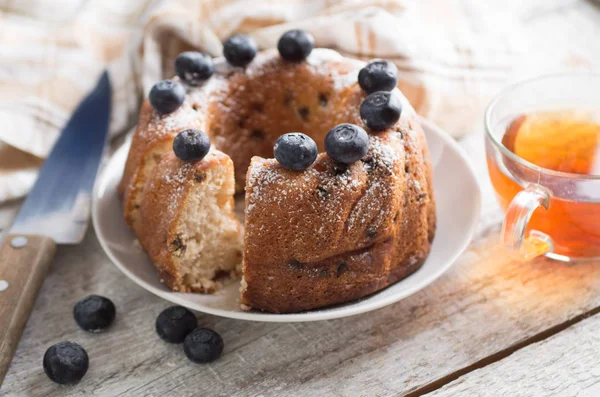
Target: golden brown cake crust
[[304, 286], [153, 138], [331, 234], [313, 238]]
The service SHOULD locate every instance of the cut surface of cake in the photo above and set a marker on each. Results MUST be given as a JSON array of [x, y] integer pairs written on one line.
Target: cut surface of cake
[[319, 229], [187, 224]]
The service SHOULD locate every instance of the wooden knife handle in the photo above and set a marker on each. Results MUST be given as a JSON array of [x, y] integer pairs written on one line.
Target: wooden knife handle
[[24, 262]]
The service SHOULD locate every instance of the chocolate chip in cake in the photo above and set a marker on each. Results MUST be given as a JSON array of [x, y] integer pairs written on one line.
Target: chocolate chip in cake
[[257, 134], [422, 196], [371, 232], [177, 245], [200, 177], [258, 107], [370, 164], [288, 97], [304, 112], [406, 169], [397, 216], [323, 192], [221, 275], [323, 99], [341, 268], [340, 169]]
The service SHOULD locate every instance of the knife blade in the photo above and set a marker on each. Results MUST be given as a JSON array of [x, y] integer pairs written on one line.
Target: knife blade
[[58, 205], [56, 211]]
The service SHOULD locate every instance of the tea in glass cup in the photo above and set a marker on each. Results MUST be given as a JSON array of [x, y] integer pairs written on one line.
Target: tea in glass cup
[[543, 155]]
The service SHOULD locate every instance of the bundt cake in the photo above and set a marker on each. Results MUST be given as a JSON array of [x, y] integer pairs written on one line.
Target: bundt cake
[[344, 209]]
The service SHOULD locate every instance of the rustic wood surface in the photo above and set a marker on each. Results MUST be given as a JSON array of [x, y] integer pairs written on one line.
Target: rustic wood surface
[[473, 332], [563, 365]]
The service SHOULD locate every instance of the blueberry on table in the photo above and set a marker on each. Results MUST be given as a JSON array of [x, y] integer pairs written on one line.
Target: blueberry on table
[[295, 151], [65, 363], [191, 145], [166, 96], [378, 75], [194, 67], [240, 50], [295, 45], [203, 345], [94, 313], [381, 110], [346, 143], [175, 323]]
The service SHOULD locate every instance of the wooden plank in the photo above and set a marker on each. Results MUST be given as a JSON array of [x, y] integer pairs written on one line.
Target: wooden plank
[[564, 365]]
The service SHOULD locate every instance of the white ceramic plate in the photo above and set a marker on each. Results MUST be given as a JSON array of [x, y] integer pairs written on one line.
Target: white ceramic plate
[[458, 206]]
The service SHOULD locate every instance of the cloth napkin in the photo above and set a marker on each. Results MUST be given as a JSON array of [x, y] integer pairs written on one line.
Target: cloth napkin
[[52, 52]]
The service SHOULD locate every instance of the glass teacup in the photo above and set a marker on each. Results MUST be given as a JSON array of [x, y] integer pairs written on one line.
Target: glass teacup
[[549, 211]]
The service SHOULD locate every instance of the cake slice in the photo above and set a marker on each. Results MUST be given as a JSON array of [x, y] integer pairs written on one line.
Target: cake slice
[[187, 224]]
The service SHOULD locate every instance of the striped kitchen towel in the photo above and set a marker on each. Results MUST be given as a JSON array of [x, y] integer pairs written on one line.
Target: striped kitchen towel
[[53, 51]]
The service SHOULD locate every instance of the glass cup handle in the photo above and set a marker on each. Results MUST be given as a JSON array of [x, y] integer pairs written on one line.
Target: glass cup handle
[[518, 214]]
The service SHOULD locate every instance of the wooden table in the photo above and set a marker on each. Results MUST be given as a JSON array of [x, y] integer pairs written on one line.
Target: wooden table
[[489, 326]]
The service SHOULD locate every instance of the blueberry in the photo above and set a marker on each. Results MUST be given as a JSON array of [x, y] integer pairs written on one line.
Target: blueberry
[[65, 363], [378, 75], [167, 96], [381, 110], [346, 143], [94, 313], [295, 45], [175, 323], [295, 151], [240, 50], [203, 345], [191, 145], [194, 67]]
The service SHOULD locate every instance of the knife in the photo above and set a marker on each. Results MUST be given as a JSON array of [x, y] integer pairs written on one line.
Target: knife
[[55, 212]]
